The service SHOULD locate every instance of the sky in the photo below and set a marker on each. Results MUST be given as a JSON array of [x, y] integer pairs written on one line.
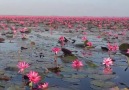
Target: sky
[[119, 8]]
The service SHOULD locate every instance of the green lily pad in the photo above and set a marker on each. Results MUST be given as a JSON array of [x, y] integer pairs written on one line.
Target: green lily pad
[[80, 45], [28, 31], [78, 76], [123, 49], [2, 40], [66, 75], [9, 35], [101, 77], [91, 70], [127, 60], [24, 38], [96, 87], [85, 42], [15, 88], [54, 69], [68, 59], [91, 64], [124, 46], [67, 69], [89, 47], [83, 45], [103, 84], [1, 85]]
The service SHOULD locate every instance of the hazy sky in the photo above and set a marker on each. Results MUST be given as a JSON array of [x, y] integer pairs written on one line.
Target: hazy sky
[[65, 7]]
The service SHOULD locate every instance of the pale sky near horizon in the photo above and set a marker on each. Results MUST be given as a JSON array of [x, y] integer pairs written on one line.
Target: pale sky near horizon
[[118, 8]]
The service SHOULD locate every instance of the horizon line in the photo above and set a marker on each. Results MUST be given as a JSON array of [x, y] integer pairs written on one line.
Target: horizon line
[[63, 16]]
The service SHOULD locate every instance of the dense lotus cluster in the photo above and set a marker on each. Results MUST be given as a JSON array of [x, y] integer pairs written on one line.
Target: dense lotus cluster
[[20, 24], [33, 76], [55, 22], [113, 47]]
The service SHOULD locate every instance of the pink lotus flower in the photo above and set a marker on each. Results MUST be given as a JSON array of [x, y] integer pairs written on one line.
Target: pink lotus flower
[[114, 47], [84, 38], [98, 36], [56, 50], [61, 38], [43, 86], [107, 62], [14, 31], [123, 33], [22, 66], [84, 33], [34, 77], [128, 51], [77, 64], [24, 29], [116, 35], [110, 33], [99, 26], [89, 44]]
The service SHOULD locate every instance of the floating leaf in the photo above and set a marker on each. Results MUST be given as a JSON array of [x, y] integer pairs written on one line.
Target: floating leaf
[[89, 47], [128, 63], [28, 31], [15, 88], [96, 87], [85, 43], [124, 46], [66, 75], [2, 40], [80, 45], [67, 69], [68, 59], [9, 35], [103, 84], [91, 64], [123, 49], [101, 77], [91, 70], [104, 48], [66, 52], [54, 69], [78, 76], [2, 86], [127, 60]]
